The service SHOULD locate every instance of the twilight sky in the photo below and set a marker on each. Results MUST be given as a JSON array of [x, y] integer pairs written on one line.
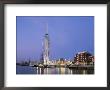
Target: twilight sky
[[68, 35]]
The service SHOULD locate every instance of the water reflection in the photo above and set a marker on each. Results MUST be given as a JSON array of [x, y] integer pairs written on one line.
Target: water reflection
[[62, 71]]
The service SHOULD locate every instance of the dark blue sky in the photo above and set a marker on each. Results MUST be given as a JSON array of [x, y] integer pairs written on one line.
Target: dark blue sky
[[68, 35]]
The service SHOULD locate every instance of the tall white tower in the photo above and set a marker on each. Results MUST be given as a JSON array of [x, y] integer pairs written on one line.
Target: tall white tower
[[46, 47]]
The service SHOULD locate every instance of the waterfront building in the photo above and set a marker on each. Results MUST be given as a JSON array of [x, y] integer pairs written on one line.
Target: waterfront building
[[83, 58], [68, 62], [33, 63], [91, 58]]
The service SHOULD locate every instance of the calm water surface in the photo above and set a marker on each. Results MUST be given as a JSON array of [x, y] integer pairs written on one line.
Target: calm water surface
[[36, 70]]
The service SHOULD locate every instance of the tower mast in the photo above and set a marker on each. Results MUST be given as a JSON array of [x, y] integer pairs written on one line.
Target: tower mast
[[46, 28]]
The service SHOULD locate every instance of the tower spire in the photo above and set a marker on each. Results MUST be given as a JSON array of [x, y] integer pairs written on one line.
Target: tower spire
[[46, 28]]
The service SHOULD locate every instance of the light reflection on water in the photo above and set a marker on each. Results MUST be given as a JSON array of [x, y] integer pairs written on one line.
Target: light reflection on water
[[61, 70]]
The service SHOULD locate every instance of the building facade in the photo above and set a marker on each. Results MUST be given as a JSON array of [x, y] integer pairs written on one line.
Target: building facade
[[83, 58]]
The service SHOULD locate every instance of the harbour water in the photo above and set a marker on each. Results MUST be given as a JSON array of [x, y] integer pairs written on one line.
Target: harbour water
[[62, 70]]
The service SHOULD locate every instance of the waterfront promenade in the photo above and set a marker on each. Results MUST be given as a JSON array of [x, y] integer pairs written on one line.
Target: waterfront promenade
[[66, 66]]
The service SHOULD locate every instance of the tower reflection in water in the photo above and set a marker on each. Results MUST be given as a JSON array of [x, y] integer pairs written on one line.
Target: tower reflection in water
[[62, 71]]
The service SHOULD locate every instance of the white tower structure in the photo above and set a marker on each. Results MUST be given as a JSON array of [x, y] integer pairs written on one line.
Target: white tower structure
[[46, 47]]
